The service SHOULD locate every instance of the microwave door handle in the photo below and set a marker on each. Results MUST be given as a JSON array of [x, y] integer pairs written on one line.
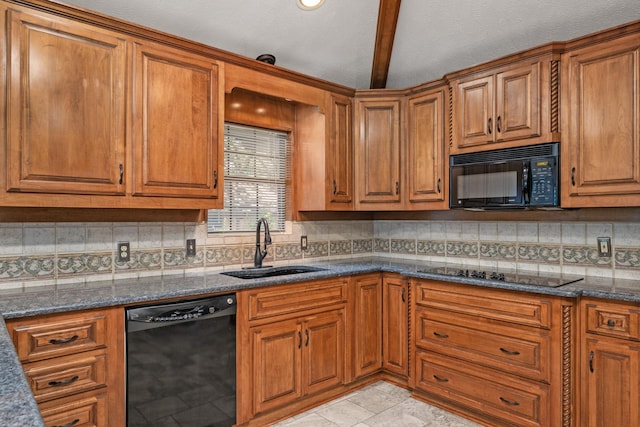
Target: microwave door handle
[[525, 183]]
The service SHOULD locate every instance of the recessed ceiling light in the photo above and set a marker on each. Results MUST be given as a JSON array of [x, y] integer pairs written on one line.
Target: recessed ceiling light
[[309, 4]]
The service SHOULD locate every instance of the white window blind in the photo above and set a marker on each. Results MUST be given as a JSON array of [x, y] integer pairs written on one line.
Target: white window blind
[[256, 170]]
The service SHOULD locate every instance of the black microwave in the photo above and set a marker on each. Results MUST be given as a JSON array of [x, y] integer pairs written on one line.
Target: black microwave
[[521, 177]]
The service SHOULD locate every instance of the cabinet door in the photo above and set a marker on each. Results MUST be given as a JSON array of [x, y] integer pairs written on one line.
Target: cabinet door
[[395, 325], [601, 155], [426, 150], [340, 152], [177, 131], [612, 387], [474, 112], [377, 153], [66, 107], [518, 103], [323, 355], [276, 350], [367, 346]]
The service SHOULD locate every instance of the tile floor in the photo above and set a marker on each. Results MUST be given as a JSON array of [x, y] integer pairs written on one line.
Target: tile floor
[[378, 405]]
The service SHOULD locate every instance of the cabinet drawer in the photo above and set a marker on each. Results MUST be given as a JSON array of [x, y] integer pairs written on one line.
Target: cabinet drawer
[[86, 410], [295, 298], [507, 306], [513, 350], [66, 375], [41, 338], [617, 320], [505, 397]]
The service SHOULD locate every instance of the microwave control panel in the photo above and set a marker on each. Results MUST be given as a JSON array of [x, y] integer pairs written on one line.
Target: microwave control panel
[[544, 176]]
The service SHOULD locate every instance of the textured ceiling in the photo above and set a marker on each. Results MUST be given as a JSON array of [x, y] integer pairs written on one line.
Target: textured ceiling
[[336, 42]]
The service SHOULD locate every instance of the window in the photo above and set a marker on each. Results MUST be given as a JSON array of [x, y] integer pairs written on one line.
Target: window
[[256, 171]]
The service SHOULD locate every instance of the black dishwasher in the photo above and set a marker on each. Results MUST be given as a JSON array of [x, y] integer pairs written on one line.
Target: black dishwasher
[[181, 363]]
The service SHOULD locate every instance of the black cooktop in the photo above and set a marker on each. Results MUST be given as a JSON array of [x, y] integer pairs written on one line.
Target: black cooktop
[[547, 279]]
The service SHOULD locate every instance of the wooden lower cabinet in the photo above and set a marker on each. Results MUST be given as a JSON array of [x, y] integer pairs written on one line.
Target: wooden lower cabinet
[[500, 399], [380, 325], [395, 339], [277, 364], [74, 364], [296, 357], [366, 303], [291, 345], [85, 410], [495, 356], [610, 364]]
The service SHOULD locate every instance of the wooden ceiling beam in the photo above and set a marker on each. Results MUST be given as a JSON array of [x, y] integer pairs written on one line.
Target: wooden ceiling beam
[[385, 33]]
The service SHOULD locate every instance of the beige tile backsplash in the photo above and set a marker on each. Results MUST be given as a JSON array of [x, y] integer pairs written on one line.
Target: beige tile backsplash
[[74, 253]]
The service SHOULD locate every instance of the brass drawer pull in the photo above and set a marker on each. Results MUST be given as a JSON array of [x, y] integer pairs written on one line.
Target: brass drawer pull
[[64, 382], [69, 424], [509, 402], [510, 353], [440, 379], [439, 335], [63, 340]]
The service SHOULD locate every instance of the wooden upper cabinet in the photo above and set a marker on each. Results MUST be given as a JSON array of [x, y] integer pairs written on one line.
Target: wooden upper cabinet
[[65, 106], [378, 153], [426, 150], [500, 107], [97, 117], [601, 150], [340, 151], [178, 134], [518, 103], [475, 111], [510, 105], [324, 155]]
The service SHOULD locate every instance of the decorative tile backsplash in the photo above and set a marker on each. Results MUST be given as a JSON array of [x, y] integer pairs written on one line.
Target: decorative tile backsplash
[[32, 254]]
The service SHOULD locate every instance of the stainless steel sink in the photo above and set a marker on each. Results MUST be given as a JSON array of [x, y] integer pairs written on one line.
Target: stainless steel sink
[[257, 273]]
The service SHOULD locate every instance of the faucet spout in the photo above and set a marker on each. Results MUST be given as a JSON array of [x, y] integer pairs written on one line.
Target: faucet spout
[[261, 253]]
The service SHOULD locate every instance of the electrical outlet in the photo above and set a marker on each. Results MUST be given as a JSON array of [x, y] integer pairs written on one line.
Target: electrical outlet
[[303, 243], [191, 247], [124, 252], [604, 246]]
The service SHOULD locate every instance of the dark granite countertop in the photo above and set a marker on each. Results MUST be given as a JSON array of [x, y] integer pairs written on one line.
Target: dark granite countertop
[[17, 406]]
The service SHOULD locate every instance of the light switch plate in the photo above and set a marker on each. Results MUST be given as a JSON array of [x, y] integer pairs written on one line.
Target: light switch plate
[[604, 246], [191, 247], [303, 243]]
